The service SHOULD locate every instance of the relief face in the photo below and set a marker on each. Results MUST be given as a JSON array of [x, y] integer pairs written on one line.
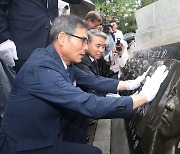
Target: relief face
[[170, 120]]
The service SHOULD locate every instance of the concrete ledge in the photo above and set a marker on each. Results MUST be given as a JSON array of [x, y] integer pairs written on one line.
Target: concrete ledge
[[119, 141], [103, 135]]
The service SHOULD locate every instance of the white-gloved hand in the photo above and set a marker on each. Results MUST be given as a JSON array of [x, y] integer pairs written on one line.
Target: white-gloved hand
[[152, 84], [133, 84], [8, 52]]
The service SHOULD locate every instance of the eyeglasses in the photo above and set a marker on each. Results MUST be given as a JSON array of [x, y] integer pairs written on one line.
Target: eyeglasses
[[84, 39]]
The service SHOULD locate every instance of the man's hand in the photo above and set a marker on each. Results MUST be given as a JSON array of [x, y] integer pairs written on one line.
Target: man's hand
[[8, 53], [133, 84], [152, 84]]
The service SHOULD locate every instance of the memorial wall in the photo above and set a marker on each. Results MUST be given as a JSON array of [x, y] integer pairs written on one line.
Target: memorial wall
[[153, 128], [150, 124]]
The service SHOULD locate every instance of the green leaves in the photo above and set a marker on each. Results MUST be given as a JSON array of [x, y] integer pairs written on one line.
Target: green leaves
[[122, 11]]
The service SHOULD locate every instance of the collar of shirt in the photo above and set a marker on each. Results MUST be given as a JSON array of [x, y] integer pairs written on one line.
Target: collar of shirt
[[91, 58], [65, 66]]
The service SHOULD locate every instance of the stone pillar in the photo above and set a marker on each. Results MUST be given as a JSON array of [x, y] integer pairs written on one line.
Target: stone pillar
[[158, 24]]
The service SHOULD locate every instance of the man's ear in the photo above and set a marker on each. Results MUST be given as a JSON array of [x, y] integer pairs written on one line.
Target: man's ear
[[89, 20], [61, 38]]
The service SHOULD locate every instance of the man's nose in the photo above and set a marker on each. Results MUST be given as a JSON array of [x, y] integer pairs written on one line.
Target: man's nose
[[85, 47], [101, 49]]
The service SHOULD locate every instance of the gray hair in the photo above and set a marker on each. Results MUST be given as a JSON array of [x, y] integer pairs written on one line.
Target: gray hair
[[66, 24], [95, 32]]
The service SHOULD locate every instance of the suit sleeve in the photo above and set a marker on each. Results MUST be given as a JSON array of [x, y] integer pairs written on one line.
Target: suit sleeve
[[85, 68], [4, 33], [51, 86], [98, 83]]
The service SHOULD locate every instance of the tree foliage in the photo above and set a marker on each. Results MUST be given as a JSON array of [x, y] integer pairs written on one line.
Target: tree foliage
[[123, 11]]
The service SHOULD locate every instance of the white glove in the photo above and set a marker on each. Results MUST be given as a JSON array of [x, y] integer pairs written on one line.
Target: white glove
[[152, 84], [8, 53], [133, 84]]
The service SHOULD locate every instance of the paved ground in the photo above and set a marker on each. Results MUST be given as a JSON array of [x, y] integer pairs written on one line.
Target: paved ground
[[99, 135]]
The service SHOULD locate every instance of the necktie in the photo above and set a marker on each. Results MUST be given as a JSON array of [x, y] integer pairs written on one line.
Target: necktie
[[96, 66]]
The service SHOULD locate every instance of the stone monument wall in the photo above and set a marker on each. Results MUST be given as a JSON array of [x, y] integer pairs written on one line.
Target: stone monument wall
[[158, 24], [154, 128]]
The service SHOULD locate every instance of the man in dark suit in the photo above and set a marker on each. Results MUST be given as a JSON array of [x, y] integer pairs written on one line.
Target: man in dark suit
[[25, 25], [96, 46], [43, 89]]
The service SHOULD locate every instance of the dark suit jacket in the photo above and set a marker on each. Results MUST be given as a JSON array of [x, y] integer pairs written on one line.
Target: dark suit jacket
[[27, 23], [42, 88], [87, 65]]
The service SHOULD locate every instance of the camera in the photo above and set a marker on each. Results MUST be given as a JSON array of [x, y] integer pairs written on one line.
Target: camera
[[118, 47], [106, 28]]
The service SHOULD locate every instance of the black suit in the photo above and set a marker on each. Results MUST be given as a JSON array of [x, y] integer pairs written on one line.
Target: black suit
[[87, 65], [27, 24], [90, 67]]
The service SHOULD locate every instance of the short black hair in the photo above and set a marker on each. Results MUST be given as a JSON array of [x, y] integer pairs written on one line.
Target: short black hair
[[93, 16]]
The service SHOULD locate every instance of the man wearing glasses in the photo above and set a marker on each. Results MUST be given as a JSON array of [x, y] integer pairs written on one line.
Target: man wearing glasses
[[43, 91]]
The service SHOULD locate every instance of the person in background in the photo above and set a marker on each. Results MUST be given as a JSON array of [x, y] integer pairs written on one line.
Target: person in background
[[108, 19], [89, 64], [96, 47], [132, 43], [24, 26], [117, 33], [93, 19], [100, 27], [63, 8], [110, 44], [103, 65], [117, 58], [45, 88]]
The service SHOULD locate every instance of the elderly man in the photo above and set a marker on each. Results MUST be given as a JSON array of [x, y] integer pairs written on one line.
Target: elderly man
[[43, 89], [89, 64], [96, 47]]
